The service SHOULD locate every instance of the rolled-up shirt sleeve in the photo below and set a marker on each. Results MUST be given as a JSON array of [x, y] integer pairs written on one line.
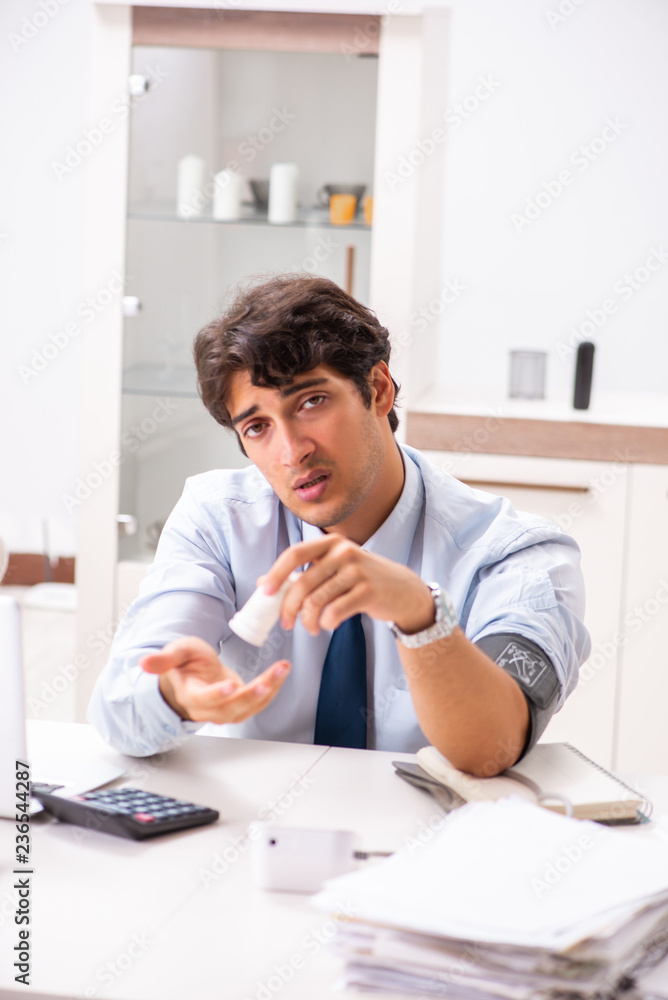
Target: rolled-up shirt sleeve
[[188, 590], [535, 591]]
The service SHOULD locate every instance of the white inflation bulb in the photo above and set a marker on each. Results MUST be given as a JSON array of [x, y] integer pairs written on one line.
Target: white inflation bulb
[[256, 619]]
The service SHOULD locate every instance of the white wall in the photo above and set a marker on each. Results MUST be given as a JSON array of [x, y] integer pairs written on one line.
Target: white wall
[[554, 87], [44, 109]]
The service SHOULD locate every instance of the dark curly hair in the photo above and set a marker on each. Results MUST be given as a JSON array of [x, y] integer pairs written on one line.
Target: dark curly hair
[[284, 327]]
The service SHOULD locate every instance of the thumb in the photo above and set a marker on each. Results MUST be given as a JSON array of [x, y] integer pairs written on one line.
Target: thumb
[[157, 663], [176, 654]]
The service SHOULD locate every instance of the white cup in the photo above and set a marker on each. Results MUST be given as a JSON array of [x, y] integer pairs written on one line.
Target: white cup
[[283, 193], [256, 619], [227, 195], [190, 198], [527, 374]]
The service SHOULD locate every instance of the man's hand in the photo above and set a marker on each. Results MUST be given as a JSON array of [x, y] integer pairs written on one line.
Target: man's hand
[[466, 704], [342, 580], [200, 688]]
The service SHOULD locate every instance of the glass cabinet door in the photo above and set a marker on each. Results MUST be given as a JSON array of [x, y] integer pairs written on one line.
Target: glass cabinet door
[[239, 110]]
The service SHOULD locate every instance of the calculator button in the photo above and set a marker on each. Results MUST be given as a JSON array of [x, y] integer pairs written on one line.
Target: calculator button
[[97, 806], [144, 818]]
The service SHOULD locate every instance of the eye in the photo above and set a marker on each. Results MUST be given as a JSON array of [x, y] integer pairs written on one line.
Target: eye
[[253, 430], [313, 401]]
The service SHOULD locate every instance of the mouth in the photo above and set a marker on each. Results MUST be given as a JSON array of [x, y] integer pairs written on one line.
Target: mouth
[[313, 488]]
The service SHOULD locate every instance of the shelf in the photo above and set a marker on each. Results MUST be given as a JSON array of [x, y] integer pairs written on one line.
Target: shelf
[[624, 408], [160, 380], [313, 217]]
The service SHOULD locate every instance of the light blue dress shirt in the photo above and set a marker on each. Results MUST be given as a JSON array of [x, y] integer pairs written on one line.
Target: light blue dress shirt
[[505, 572]]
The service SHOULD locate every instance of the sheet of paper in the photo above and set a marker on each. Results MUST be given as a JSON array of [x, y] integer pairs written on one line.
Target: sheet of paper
[[512, 873]]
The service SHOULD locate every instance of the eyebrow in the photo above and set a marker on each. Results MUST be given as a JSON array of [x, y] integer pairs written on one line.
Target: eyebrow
[[289, 390]]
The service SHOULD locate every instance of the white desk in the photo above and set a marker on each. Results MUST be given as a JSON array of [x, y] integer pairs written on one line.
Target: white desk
[[115, 918]]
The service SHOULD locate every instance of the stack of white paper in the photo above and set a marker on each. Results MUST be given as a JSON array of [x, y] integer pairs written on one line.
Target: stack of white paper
[[508, 900]]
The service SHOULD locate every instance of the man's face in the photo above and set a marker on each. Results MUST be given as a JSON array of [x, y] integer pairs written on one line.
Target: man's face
[[320, 448]]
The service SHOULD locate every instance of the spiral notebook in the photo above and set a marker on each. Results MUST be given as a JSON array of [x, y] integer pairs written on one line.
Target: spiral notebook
[[554, 775]]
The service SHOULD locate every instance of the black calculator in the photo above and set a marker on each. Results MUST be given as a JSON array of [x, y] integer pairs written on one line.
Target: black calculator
[[127, 812]]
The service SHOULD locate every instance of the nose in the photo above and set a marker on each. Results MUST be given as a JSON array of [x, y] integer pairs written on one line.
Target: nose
[[296, 447]]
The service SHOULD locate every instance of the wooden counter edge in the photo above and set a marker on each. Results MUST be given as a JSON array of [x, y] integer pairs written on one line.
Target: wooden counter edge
[[488, 434]]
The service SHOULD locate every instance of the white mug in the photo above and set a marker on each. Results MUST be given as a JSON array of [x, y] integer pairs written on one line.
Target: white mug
[[227, 195], [283, 192]]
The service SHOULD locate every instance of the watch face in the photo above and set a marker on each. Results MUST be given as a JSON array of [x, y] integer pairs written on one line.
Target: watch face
[[445, 622], [439, 606], [445, 613]]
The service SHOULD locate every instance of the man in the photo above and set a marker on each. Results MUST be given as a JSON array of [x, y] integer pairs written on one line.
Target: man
[[452, 620]]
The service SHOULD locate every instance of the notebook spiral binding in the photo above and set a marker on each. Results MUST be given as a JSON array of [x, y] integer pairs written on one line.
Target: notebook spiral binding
[[646, 806]]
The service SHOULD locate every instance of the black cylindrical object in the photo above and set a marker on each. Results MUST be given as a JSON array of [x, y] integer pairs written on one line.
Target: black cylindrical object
[[584, 369]]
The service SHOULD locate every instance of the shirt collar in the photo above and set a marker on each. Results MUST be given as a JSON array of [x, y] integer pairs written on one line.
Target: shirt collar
[[394, 537]]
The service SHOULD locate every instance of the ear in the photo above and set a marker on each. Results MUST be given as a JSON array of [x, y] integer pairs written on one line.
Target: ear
[[382, 389]]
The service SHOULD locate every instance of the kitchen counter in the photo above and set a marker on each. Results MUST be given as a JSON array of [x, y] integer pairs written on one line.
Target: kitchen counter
[[618, 427]]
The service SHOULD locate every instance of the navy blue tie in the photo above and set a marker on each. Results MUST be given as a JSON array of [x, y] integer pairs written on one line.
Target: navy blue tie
[[340, 720]]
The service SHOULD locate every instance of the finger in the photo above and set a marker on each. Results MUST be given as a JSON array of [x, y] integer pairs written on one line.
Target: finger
[[297, 555], [156, 663], [200, 698], [340, 610], [320, 598], [227, 700], [335, 575], [296, 596], [251, 698], [335, 572], [176, 654], [261, 687], [258, 705]]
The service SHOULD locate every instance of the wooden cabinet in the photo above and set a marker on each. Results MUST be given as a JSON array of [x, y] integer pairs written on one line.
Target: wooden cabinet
[[643, 628]]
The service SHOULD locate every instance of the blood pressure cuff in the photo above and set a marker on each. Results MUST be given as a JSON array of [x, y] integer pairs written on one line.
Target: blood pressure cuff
[[533, 670]]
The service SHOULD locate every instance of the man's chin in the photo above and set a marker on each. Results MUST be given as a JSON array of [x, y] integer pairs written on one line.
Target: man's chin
[[319, 515], [319, 519]]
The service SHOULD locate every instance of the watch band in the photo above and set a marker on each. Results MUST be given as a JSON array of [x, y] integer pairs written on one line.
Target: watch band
[[445, 624]]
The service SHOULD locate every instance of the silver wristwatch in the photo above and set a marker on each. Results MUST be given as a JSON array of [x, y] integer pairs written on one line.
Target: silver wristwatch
[[444, 625]]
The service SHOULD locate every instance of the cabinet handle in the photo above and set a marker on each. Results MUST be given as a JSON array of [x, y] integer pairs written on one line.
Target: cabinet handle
[[350, 268], [138, 84], [131, 305], [127, 524], [493, 484]]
